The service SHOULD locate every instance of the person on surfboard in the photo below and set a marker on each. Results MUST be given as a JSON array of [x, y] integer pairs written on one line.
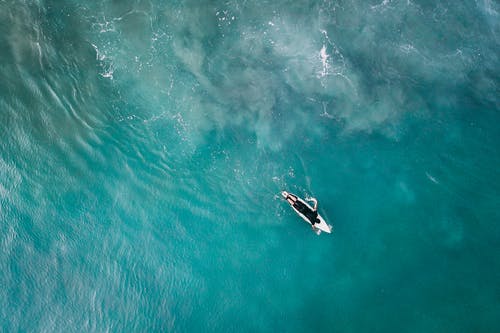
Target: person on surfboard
[[312, 215]]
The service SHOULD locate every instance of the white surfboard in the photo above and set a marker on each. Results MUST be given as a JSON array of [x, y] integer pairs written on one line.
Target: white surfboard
[[321, 226]]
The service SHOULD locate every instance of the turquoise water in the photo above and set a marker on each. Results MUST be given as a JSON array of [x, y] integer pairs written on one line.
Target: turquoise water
[[144, 145]]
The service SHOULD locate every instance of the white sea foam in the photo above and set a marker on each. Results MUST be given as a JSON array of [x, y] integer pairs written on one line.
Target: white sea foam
[[324, 61], [105, 64], [432, 178]]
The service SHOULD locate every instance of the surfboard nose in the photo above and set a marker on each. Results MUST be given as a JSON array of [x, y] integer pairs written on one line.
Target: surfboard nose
[[284, 194]]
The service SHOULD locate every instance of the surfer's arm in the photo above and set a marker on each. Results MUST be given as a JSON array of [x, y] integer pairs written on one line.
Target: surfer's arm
[[315, 208]]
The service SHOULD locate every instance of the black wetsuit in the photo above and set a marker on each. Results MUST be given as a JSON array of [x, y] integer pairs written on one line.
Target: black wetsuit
[[311, 215]]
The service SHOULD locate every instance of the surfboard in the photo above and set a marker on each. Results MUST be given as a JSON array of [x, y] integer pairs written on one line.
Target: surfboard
[[321, 226]]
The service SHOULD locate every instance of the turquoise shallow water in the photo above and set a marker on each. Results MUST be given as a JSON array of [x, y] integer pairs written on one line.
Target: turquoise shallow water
[[144, 145]]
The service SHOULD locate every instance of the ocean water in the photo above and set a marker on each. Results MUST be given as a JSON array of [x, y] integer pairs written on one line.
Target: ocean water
[[143, 146]]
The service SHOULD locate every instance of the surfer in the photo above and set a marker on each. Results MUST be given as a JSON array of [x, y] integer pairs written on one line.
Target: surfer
[[307, 212], [312, 215]]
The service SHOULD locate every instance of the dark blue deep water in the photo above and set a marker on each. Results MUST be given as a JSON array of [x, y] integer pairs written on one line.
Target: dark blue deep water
[[143, 146]]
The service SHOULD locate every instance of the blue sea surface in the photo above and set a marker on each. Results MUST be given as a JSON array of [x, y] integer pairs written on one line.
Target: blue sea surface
[[144, 145]]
